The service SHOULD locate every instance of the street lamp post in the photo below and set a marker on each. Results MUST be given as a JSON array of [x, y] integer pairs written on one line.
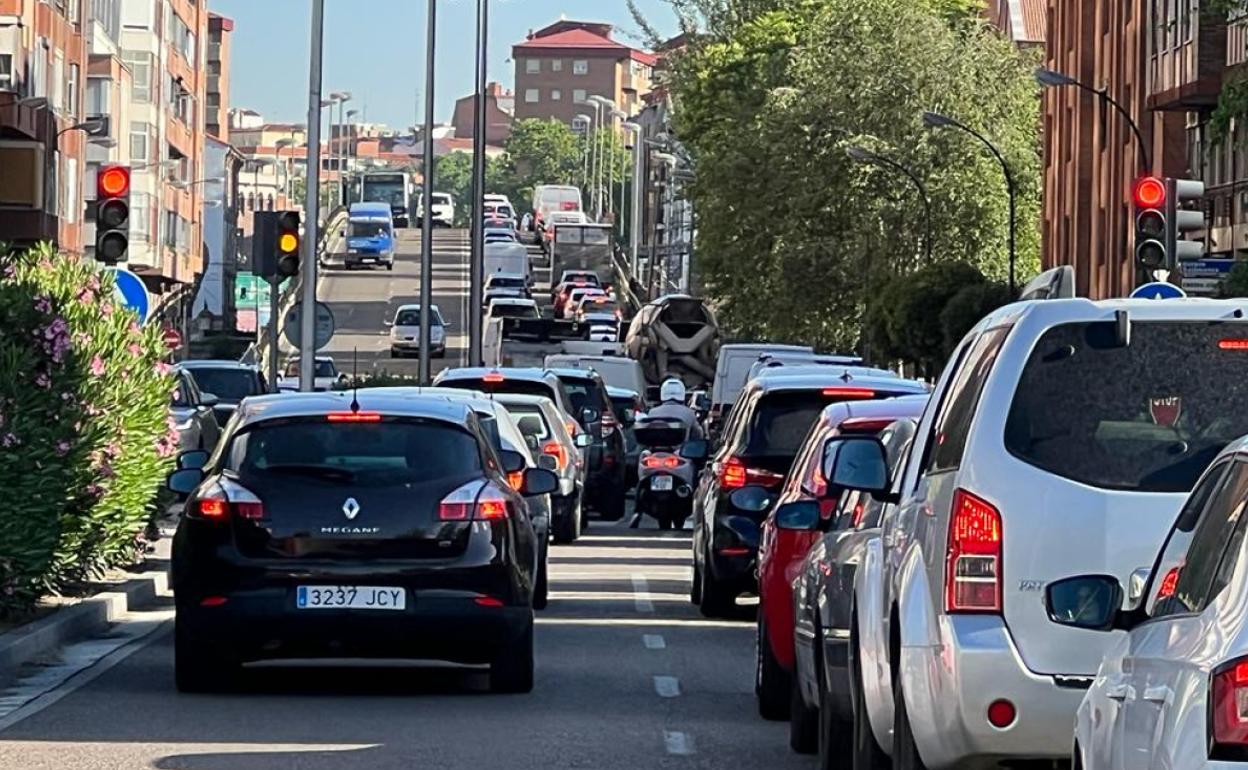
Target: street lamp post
[[1054, 79], [476, 277], [863, 155], [639, 168], [937, 120], [282, 144], [588, 122], [311, 211], [606, 107], [592, 142], [621, 116], [426, 208]]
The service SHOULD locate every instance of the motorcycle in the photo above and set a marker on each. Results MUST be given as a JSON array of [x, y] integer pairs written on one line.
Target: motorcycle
[[667, 470]]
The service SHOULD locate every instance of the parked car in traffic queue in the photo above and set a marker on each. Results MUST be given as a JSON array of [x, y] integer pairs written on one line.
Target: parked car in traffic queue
[[606, 476], [405, 332], [229, 381], [191, 411]]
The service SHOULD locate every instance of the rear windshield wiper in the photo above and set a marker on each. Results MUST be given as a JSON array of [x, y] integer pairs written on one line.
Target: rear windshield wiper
[[327, 472]]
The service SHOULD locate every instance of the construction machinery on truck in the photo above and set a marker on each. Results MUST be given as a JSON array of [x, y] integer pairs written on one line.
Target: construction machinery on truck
[[675, 336]]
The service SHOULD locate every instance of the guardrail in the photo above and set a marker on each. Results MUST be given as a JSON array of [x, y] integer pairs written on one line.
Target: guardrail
[[328, 234]]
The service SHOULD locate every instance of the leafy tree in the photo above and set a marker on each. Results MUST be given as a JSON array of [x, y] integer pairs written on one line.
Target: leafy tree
[[968, 306], [769, 101], [915, 324], [539, 152], [453, 175], [1237, 282]]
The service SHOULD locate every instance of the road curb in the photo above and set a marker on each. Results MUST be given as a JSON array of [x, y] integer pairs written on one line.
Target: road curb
[[43, 638]]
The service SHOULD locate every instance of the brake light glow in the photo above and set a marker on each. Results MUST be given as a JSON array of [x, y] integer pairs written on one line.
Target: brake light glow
[[1168, 584], [492, 510], [1232, 344], [865, 424], [661, 461], [859, 509], [973, 562], [354, 417], [515, 480], [213, 508], [734, 474], [216, 506], [474, 501], [849, 392], [1229, 711], [556, 450], [493, 377]]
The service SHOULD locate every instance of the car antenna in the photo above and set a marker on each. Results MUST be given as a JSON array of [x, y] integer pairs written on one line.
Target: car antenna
[[355, 380], [846, 376]]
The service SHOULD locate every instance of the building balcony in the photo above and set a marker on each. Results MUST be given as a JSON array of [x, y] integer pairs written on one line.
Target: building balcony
[[1186, 66]]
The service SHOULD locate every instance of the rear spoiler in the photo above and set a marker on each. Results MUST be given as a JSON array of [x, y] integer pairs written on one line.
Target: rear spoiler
[[1058, 283]]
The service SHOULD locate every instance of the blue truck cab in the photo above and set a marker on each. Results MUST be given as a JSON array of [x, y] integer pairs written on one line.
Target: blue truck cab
[[370, 235]]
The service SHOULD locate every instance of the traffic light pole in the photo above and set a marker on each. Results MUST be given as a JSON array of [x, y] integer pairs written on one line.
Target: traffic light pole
[[476, 271], [307, 318], [274, 331]]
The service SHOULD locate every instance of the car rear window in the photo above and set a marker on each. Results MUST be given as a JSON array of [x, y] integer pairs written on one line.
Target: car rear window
[[390, 452], [530, 419], [231, 385], [1150, 416], [513, 311], [782, 419], [521, 387], [583, 393]]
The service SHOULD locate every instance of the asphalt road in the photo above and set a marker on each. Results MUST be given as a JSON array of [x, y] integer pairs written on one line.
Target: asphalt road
[[630, 676]]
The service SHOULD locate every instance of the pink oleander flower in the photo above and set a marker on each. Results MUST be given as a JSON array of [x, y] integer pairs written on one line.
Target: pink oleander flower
[[163, 368], [42, 380], [43, 304], [135, 349], [62, 448], [106, 308], [97, 366], [9, 440]]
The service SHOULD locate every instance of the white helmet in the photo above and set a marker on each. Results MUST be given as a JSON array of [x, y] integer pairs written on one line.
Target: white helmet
[[672, 389]]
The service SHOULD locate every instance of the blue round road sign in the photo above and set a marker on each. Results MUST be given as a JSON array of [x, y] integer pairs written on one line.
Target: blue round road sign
[[131, 293], [1158, 290]]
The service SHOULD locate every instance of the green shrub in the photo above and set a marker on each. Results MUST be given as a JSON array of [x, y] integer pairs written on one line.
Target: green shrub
[[379, 379], [85, 433], [1237, 282], [968, 307]]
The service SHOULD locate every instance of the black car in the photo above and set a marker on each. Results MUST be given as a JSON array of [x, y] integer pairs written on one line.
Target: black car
[[229, 381], [383, 527], [606, 480], [768, 424]]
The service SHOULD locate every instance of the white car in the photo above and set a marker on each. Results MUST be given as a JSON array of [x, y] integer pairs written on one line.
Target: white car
[[1173, 692], [1061, 440], [506, 285], [577, 296], [326, 375], [405, 332], [443, 210], [512, 307]]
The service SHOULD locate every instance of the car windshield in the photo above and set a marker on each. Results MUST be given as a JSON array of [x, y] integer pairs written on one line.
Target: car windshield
[[514, 311], [530, 419], [228, 385], [506, 283], [411, 317], [599, 306], [368, 230], [1112, 416], [441, 200], [392, 452], [584, 393]]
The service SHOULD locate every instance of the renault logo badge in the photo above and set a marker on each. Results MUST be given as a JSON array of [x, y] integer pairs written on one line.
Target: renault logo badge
[[351, 509]]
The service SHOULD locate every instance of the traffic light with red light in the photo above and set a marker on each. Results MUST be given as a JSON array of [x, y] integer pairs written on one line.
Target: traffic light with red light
[[112, 214], [1149, 195], [288, 244]]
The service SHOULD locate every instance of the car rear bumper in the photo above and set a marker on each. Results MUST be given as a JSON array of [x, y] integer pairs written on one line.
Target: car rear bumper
[[949, 686], [414, 345], [264, 623]]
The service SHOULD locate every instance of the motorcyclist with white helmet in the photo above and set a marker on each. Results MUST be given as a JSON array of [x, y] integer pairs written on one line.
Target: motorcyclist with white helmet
[[672, 407]]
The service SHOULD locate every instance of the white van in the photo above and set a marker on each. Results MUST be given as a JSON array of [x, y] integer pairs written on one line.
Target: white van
[[548, 199], [508, 259]]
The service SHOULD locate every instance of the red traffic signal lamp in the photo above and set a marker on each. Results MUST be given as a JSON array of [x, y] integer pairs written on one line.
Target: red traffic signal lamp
[[112, 214], [1149, 195], [288, 244]]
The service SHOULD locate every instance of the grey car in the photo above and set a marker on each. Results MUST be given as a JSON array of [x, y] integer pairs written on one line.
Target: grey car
[[191, 409], [544, 431]]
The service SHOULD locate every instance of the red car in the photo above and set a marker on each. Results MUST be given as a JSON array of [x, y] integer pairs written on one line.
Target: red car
[[790, 531]]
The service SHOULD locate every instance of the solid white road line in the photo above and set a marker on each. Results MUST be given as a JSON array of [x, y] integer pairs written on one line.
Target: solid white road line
[[667, 686], [678, 743], [653, 642], [641, 591]]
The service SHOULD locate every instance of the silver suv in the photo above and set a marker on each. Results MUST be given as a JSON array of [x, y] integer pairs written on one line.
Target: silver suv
[[1061, 440]]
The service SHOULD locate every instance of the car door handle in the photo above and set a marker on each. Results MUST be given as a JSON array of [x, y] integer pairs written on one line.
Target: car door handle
[[1117, 691], [1158, 694]]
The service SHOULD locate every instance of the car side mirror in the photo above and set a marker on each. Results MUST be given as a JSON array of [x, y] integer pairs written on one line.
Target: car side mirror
[[752, 499], [193, 460], [513, 462], [798, 515], [1090, 602], [185, 481], [589, 415], [388, 323], [584, 440], [695, 449], [549, 462], [857, 463], [539, 481], [209, 399]]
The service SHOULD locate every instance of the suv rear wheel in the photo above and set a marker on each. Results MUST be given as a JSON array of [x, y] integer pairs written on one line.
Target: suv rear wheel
[[771, 682], [512, 670], [905, 753], [866, 750]]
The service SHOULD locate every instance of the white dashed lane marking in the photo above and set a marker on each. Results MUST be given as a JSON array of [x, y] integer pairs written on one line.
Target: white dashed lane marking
[[641, 591], [678, 743], [653, 642], [667, 686]]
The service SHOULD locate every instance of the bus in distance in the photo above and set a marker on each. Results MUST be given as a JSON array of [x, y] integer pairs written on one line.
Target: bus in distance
[[393, 187]]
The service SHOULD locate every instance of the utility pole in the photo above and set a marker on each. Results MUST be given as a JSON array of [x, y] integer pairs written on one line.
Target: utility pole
[[426, 208], [307, 319], [476, 278]]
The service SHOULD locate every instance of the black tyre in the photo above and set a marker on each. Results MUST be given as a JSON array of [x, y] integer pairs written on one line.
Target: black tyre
[[200, 667], [867, 754], [665, 522], [695, 589], [717, 600], [565, 526], [905, 752], [803, 723], [541, 591], [771, 682], [511, 671]]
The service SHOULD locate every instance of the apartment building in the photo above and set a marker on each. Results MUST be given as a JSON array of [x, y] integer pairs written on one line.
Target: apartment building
[[108, 93], [217, 102], [43, 67], [557, 68], [1091, 156], [500, 105], [162, 44]]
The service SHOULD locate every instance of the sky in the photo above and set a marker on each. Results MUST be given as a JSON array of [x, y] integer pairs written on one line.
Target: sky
[[375, 50]]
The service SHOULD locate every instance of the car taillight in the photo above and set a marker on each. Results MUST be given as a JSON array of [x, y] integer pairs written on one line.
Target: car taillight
[[1228, 722], [515, 480], [973, 564], [734, 473], [861, 425], [474, 501], [556, 450], [222, 503], [1168, 584], [355, 417], [608, 424]]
